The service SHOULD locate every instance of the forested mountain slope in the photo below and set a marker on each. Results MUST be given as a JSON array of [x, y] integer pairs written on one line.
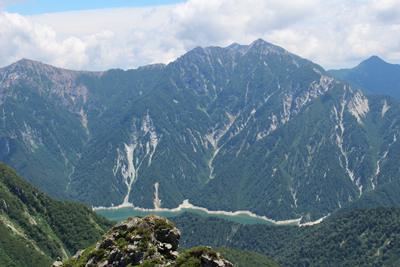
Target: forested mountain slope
[[245, 258], [239, 128], [364, 237], [35, 229]]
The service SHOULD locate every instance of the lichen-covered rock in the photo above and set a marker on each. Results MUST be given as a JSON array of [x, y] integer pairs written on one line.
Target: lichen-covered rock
[[132, 242], [202, 256], [209, 261], [78, 254], [149, 241], [169, 236]]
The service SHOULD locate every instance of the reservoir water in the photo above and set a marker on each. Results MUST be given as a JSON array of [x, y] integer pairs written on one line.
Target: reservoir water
[[123, 213]]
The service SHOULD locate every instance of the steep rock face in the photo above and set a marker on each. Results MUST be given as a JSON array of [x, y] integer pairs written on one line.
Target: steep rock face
[[146, 242]]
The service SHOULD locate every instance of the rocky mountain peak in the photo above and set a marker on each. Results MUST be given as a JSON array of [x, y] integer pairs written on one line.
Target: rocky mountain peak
[[148, 241], [26, 67], [39, 74], [153, 66], [235, 47], [47, 80], [264, 47]]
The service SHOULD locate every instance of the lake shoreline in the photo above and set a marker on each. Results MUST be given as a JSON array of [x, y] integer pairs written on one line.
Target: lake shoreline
[[187, 205]]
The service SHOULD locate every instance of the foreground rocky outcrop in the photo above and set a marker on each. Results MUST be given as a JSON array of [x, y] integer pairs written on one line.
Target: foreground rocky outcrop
[[149, 241]]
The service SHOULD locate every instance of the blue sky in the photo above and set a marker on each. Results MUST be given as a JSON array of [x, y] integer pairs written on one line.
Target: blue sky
[[35, 7], [99, 35]]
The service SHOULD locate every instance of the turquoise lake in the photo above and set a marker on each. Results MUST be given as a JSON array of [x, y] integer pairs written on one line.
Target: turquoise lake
[[125, 212]]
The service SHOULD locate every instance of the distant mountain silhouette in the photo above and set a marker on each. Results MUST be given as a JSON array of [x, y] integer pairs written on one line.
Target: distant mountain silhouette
[[374, 74]]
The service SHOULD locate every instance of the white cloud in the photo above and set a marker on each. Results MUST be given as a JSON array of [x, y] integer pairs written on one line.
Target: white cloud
[[333, 33], [5, 3], [386, 11], [21, 37], [200, 22]]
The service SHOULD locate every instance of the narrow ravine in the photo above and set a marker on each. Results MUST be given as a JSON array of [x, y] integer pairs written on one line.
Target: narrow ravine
[[214, 138], [127, 163], [378, 169]]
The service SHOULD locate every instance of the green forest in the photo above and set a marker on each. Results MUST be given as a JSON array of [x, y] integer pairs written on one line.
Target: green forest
[[55, 228], [363, 237]]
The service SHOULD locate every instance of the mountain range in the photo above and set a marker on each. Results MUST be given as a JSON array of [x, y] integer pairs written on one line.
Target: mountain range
[[238, 128]]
